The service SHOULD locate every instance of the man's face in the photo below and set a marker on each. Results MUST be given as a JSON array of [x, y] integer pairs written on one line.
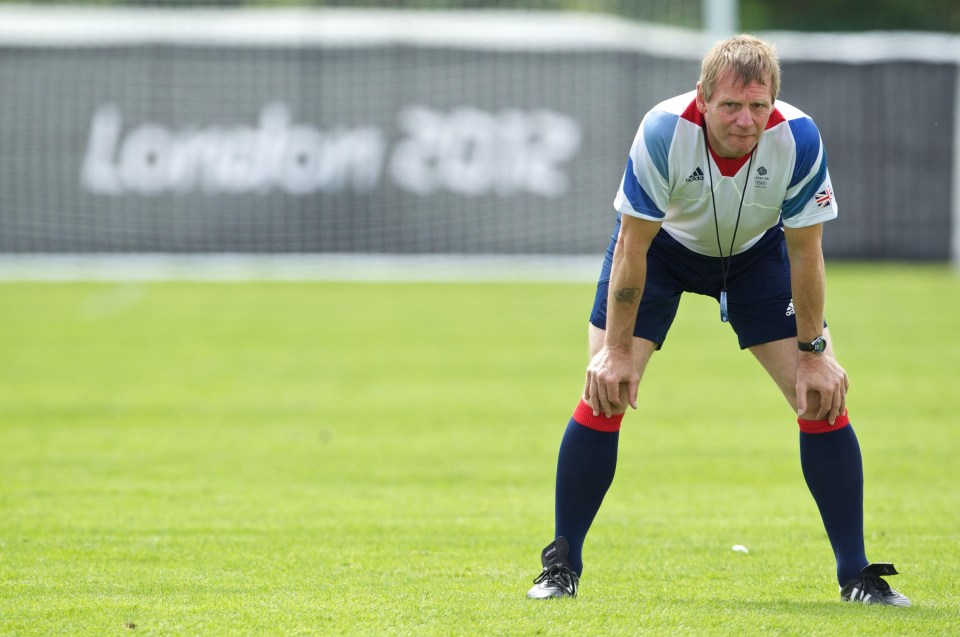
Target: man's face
[[736, 115]]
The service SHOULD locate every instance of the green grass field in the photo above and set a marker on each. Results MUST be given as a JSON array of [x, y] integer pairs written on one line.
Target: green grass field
[[338, 459]]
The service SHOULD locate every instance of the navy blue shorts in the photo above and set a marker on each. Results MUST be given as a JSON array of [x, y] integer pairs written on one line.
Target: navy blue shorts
[[758, 288]]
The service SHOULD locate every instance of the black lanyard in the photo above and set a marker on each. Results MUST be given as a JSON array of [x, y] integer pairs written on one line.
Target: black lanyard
[[725, 267]]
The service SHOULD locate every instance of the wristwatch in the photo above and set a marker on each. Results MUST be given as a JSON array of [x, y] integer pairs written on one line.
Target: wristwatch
[[816, 346]]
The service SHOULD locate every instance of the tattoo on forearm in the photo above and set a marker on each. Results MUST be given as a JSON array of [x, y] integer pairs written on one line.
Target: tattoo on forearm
[[627, 295]]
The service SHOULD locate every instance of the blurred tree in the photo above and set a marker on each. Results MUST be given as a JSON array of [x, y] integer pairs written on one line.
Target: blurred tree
[[850, 15], [755, 15]]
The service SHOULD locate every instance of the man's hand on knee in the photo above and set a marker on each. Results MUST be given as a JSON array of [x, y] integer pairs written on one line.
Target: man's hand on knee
[[612, 382], [820, 376]]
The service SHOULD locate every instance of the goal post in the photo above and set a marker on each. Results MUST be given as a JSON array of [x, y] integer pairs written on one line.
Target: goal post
[[721, 18], [955, 199]]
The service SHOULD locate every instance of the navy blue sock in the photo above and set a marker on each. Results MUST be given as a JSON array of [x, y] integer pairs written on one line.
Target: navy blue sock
[[585, 468], [833, 469]]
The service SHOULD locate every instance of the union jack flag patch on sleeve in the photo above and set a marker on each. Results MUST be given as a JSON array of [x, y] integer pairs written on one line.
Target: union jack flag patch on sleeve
[[824, 197]]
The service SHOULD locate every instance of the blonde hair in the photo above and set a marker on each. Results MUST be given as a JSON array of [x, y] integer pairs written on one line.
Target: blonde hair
[[750, 59]]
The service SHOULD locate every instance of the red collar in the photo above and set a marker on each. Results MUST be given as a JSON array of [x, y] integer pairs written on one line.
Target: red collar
[[728, 166]]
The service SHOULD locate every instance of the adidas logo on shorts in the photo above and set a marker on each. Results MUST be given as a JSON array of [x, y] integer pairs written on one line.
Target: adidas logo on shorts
[[696, 175], [790, 311]]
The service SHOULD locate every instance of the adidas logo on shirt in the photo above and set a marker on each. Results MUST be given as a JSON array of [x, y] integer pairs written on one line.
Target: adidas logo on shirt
[[696, 175]]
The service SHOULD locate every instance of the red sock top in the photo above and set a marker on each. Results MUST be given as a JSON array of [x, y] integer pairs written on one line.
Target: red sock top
[[823, 426], [584, 415]]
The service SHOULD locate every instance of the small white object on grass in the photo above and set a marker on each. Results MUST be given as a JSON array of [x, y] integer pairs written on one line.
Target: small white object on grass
[[740, 548]]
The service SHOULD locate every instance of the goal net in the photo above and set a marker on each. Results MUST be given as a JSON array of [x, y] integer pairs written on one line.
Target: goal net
[[332, 132]]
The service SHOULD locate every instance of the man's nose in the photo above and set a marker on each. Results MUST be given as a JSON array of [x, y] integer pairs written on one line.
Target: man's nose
[[744, 120]]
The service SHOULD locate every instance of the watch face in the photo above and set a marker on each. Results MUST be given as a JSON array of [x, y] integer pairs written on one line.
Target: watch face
[[817, 345]]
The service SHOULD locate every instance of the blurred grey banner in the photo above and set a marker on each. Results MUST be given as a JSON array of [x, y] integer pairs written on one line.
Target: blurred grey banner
[[407, 148]]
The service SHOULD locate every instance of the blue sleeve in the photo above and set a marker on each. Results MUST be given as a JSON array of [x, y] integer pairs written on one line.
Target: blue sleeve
[[636, 195], [807, 139], [657, 136], [808, 149]]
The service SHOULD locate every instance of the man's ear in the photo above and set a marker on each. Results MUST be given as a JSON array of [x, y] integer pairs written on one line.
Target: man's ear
[[701, 101]]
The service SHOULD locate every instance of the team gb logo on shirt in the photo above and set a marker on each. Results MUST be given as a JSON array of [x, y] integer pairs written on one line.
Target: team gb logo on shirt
[[761, 178]]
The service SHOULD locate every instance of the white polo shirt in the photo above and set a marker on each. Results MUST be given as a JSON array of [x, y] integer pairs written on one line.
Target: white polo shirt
[[666, 178]]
